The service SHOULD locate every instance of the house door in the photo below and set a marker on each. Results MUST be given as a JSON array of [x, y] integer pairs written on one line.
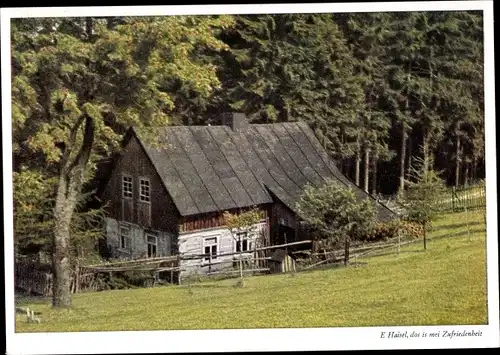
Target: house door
[[285, 234]]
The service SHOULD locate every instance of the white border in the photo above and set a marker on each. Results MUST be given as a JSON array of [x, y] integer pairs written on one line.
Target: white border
[[262, 339], [246, 9]]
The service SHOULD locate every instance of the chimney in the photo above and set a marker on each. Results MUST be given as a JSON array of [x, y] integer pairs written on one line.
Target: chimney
[[235, 120]]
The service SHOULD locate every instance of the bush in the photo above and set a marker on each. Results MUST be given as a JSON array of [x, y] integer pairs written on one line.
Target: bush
[[389, 230], [335, 211], [412, 229], [381, 231], [127, 279]]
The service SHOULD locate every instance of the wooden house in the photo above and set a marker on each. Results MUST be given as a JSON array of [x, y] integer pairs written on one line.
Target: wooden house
[[167, 195]]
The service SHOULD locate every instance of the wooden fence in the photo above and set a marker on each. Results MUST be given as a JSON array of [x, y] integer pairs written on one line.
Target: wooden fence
[[90, 277], [28, 279], [94, 277], [464, 198], [254, 262]]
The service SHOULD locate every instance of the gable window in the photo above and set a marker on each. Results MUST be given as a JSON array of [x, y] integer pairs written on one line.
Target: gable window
[[243, 242], [210, 247], [127, 186], [144, 190], [152, 241], [125, 237]]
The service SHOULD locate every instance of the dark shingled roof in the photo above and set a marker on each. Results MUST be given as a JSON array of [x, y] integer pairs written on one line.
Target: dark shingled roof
[[215, 168]]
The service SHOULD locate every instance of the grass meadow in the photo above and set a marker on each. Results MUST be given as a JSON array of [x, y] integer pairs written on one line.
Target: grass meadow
[[443, 285]]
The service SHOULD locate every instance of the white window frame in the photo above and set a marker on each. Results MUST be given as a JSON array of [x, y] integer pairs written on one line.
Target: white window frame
[[141, 195], [130, 184], [147, 235], [249, 244], [128, 237], [206, 259]]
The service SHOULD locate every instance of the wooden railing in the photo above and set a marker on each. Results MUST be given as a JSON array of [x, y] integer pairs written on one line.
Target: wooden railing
[[464, 198], [90, 277], [29, 279]]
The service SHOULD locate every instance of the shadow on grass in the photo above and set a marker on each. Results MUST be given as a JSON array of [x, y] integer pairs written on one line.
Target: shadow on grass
[[21, 299], [330, 266], [413, 251], [460, 234], [393, 252], [201, 285], [456, 225]]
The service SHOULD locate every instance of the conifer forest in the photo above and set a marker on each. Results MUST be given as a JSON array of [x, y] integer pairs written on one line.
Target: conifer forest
[[380, 90]]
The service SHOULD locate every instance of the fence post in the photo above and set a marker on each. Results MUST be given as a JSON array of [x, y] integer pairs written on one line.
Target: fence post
[[453, 199], [179, 267], [346, 251], [399, 239], [77, 277], [467, 222]]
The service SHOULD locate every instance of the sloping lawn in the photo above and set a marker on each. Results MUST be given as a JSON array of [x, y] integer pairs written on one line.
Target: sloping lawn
[[446, 284]]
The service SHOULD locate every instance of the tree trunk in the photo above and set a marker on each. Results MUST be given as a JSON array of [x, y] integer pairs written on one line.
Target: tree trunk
[[89, 27], [425, 145], [357, 166], [474, 167], [374, 176], [367, 169], [457, 163], [426, 131], [69, 185], [402, 153], [410, 153], [342, 158], [425, 236], [466, 174], [63, 213], [402, 158]]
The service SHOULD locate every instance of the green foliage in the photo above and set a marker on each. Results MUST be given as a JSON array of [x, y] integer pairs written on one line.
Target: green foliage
[[128, 279], [290, 67], [412, 229], [34, 200], [77, 85], [356, 79], [335, 212], [119, 74], [243, 221], [423, 195], [381, 231], [389, 230]]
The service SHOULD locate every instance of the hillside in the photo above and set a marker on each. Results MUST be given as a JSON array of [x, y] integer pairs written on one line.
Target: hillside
[[446, 284]]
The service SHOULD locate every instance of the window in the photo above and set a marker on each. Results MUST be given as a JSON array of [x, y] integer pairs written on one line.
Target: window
[[127, 186], [124, 237], [152, 245], [210, 247], [144, 190], [243, 243]]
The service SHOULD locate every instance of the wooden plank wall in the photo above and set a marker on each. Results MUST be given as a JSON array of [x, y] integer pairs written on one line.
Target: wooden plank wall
[[211, 220], [161, 213]]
